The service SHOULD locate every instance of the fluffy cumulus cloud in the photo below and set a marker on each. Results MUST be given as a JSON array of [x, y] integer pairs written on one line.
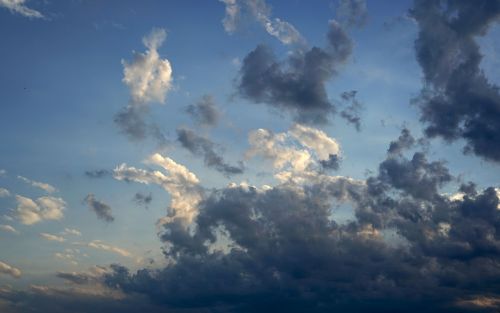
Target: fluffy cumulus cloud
[[297, 153], [296, 85], [7, 269], [44, 186], [149, 78], [236, 10], [101, 209], [31, 211], [19, 7], [210, 151], [458, 101], [178, 181]]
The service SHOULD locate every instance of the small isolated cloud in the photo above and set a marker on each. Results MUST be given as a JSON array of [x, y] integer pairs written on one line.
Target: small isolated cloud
[[8, 229], [69, 255], [205, 111], [4, 193], [101, 209], [3, 172], [19, 7], [261, 12], [71, 231], [30, 211], [51, 237], [44, 186], [149, 78], [143, 199], [97, 173], [9, 270], [98, 244]]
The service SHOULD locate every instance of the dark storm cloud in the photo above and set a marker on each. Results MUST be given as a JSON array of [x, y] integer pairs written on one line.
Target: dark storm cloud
[[97, 173], [352, 108], [298, 84], [205, 111], [284, 253], [404, 142], [458, 101], [205, 148], [143, 199], [351, 13], [101, 209]]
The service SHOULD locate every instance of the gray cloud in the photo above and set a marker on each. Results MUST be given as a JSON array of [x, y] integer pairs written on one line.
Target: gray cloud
[[97, 173], [101, 209], [351, 13], [297, 85], [143, 199], [351, 110], [205, 111], [405, 141], [458, 101], [204, 147]]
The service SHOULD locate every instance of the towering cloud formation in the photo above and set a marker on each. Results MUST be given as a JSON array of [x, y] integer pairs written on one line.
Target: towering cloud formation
[[180, 183], [261, 12], [298, 84], [458, 101], [199, 145], [149, 78]]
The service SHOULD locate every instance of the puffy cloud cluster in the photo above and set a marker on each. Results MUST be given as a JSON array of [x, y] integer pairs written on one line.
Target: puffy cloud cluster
[[458, 101], [261, 12], [179, 182], [30, 211], [296, 85]]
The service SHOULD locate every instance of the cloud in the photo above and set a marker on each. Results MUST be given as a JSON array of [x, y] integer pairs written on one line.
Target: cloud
[[149, 78], [19, 7], [457, 100], [202, 146], [101, 209], [9, 270], [98, 244], [297, 85], [352, 108], [143, 199], [51, 237], [351, 13], [178, 181], [3, 172], [4, 193], [71, 231], [30, 211], [97, 173], [8, 228], [44, 186], [205, 111], [261, 12], [405, 141]]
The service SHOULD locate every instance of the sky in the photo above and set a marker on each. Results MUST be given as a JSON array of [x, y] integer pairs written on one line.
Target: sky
[[249, 156]]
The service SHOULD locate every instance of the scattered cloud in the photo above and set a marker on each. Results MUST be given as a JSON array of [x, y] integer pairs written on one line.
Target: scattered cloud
[[44, 186], [204, 112], [98, 244], [9, 229], [9, 270], [71, 231], [19, 7], [4, 193], [51, 237], [30, 211], [101, 209], [97, 173], [143, 199]]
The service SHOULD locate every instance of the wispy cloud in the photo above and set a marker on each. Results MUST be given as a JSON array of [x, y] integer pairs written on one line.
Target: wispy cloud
[[19, 7]]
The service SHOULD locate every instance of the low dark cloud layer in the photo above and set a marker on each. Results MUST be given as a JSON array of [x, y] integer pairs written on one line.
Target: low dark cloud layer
[[458, 101], [205, 111], [101, 209], [204, 147], [296, 85]]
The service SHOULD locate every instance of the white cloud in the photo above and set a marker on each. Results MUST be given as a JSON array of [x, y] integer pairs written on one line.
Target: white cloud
[[8, 228], [98, 244], [4, 193], [71, 231], [2, 172], [316, 140], [29, 212], [9, 270], [18, 6], [179, 182], [51, 237], [47, 187], [282, 30], [148, 77]]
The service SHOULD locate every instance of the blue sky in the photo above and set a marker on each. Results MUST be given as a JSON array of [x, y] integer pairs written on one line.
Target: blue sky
[[64, 83]]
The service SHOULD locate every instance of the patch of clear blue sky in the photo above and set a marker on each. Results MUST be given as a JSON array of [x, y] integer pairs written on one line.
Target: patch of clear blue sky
[[61, 86]]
